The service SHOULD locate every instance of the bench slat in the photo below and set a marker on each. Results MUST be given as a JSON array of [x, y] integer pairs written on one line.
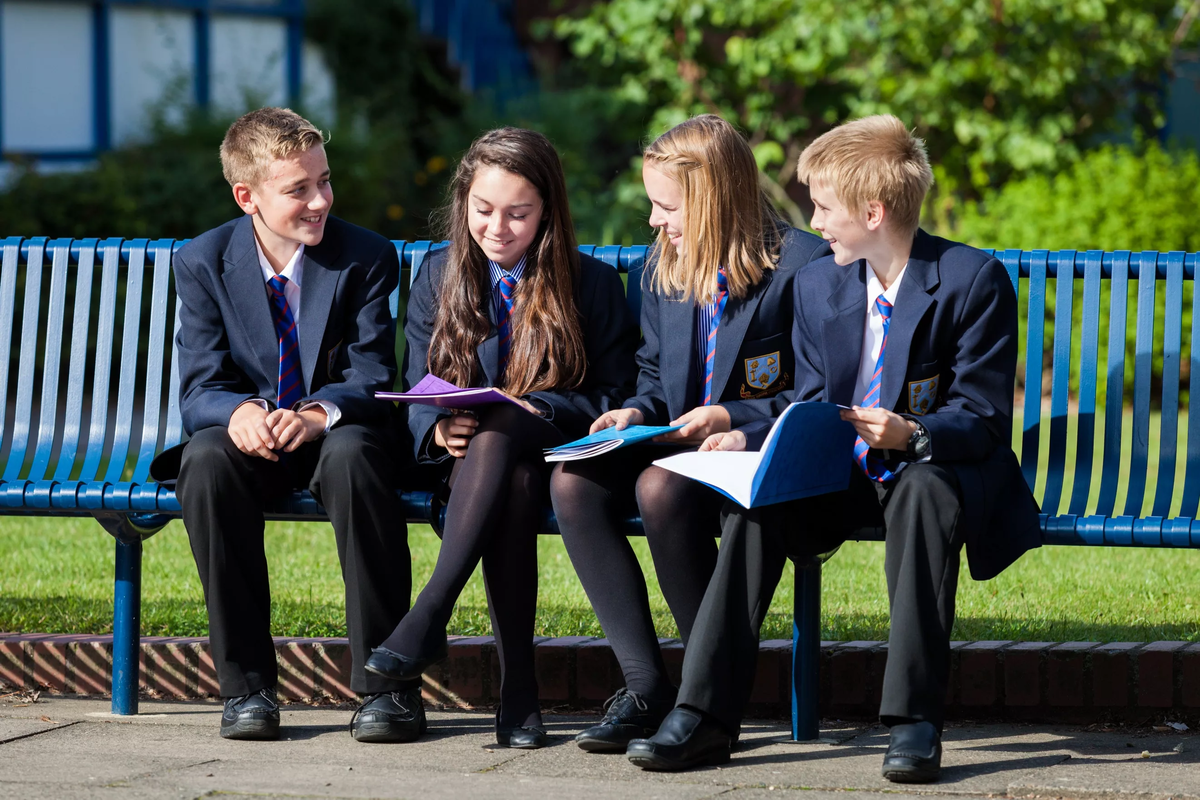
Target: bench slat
[[8, 294], [13, 491], [1064, 305], [1034, 347], [1114, 387], [152, 402], [126, 383], [77, 371], [106, 321], [1143, 361], [1168, 424], [1089, 360]]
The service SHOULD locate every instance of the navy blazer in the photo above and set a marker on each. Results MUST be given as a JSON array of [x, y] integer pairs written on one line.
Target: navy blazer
[[753, 360], [610, 339], [951, 361], [227, 347]]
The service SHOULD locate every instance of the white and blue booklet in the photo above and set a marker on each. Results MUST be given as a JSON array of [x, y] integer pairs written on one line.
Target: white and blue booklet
[[606, 441], [809, 451]]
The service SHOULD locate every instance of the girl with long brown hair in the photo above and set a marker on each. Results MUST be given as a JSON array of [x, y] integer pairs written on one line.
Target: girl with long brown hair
[[717, 318], [512, 304]]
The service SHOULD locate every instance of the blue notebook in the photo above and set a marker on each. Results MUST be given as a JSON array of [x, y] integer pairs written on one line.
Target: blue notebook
[[809, 451], [606, 441]]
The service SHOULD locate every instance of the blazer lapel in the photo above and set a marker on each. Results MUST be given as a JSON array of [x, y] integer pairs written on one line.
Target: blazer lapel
[[912, 301], [732, 332], [243, 280], [843, 336], [316, 299], [488, 351]]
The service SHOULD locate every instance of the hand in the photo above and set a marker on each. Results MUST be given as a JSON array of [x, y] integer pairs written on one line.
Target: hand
[[250, 432], [525, 404], [620, 419], [880, 428], [698, 424], [729, 440], [293, 428], [454, 433]]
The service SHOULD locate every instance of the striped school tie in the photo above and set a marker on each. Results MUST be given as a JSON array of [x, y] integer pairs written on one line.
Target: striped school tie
[[508, 286], [289, 388], [872, 466], [718, 308]]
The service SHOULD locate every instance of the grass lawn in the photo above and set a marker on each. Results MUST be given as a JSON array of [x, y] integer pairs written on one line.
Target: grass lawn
[[56, 576]]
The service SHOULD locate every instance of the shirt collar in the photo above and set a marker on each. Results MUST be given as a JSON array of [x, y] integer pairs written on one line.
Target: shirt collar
[[498, 272], [293, 271], [875, 288]]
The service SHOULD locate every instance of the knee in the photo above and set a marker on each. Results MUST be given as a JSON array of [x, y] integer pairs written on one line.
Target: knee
[[501, 417], [208, 453], [927, 482], [570, 491], [660, 494], [350, 445]]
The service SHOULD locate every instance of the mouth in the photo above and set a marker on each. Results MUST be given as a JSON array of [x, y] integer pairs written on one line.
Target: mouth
[[499, 244], [317, 220]]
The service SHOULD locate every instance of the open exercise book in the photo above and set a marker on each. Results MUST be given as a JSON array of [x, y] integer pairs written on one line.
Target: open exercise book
[[606, 441], [433, 391], [808, 451]]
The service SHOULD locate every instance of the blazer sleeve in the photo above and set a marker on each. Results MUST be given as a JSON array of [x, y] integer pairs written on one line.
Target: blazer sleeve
[[418, 330], [370, 341], [610, 341], [650, 399], [211, 385], [976, 416]]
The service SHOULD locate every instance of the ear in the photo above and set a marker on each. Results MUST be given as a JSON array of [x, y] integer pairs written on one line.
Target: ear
[[244, 197], [876, 214]]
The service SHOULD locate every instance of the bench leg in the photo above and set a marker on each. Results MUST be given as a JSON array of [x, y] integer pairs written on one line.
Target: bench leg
[[127, 627], [806, 653]]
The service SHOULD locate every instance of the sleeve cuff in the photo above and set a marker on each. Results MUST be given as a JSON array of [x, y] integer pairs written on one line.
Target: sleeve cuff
[[542, 405], [333, 414]]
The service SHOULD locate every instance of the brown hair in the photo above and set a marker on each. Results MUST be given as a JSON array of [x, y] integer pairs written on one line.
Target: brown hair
[[546, 350], [728, 221], [872, 159], [256, 139]]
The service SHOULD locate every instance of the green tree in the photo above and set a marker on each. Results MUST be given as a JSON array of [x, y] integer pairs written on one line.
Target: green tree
[[997, 87]]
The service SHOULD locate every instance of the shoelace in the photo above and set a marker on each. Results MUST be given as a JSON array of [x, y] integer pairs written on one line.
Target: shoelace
[[623, 692], [397, 698], [266, 694]]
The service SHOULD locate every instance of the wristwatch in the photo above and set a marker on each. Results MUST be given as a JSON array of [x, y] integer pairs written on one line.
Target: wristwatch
[[918, 443]]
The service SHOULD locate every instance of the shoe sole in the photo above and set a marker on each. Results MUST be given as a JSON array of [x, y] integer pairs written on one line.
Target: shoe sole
[[405, 676], [251, 729], [659, 764], [384, 732], [601, 746], [912, 775]]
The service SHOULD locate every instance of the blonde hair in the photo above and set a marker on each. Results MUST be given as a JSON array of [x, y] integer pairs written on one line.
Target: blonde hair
[[256, 139], [872, 159], [728, 221]]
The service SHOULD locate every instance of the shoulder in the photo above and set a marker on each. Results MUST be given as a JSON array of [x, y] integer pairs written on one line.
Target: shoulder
[[798, 248], [822, 275], [594, 275], [353, 242], [960, 265], [210, 246]]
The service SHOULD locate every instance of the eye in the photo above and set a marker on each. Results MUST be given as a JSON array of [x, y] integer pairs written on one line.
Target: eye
[[518, 216], [483, 212]]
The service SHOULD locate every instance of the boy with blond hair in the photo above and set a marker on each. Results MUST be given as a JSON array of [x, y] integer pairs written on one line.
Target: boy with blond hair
[[284, 337], [919, 335]]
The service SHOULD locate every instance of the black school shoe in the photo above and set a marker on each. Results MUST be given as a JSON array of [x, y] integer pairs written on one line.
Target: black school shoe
[[914, 753], [627, 716], [521, 737], [686, 739], [397, 667], [251, 716], [390, 717]]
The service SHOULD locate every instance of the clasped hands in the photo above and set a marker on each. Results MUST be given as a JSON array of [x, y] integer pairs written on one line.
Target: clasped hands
[[879, 428], [258, 432]]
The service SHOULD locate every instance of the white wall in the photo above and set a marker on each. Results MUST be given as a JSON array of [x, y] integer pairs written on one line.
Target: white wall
[[47, 68], [247, 62], [152, 55]]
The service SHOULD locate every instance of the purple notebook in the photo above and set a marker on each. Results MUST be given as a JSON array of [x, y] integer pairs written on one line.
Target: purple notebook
[[433, 391]]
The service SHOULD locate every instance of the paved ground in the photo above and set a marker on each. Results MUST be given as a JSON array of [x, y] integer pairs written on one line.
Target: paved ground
[[71, 747]]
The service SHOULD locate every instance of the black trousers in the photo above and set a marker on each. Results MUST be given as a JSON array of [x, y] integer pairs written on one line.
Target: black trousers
[[223, 493], [920, 512]]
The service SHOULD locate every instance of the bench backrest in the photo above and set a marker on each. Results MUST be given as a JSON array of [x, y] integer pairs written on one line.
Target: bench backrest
[[89, 324]]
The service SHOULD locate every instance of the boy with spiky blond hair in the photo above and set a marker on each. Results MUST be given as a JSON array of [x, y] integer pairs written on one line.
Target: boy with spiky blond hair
[[284, 337], [919, 336]]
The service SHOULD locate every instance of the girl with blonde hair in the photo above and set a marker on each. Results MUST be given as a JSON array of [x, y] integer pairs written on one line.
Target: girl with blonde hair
[[716, 322]]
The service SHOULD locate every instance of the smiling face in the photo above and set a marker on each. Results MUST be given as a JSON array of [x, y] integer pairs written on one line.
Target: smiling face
[[504, 212], [666, 203], [291, 205], [849, 234]]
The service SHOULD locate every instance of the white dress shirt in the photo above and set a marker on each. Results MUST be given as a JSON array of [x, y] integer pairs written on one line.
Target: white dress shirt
[[294, 272]]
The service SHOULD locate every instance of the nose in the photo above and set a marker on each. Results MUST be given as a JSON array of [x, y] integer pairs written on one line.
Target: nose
[[321, 201], [657, 218]]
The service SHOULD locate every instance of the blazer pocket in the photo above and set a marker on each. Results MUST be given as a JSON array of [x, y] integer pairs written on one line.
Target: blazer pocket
[[922, 386], [765, 367]]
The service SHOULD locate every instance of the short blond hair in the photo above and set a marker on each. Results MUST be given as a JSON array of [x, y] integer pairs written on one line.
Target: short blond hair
[[872, 159], [256, 139], [728, 221]]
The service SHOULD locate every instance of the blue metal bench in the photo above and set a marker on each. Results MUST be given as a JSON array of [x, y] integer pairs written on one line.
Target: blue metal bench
[[74, 361]]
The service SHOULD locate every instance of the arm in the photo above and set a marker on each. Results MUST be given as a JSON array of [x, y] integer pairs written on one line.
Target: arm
[[370, 341], [211, 385], [650, 398], [976, 416], [418, 330], [610, 340]]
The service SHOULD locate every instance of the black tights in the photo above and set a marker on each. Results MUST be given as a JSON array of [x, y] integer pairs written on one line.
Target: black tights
[[681, 520], [494, 514]]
